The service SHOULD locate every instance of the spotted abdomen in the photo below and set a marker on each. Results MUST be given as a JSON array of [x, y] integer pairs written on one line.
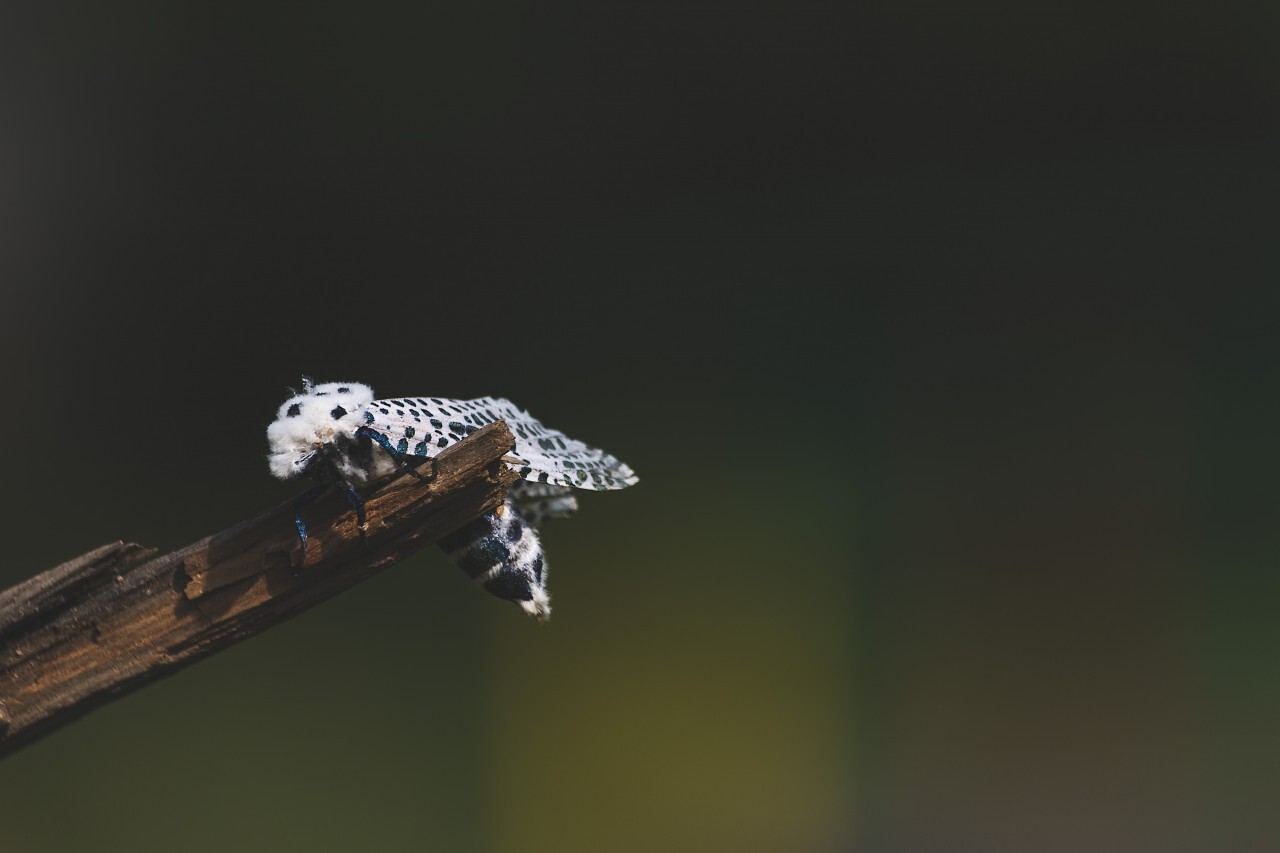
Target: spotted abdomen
[[501, 552]]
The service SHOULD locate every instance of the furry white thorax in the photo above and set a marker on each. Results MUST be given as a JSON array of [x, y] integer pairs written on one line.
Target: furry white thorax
[[305, 425]]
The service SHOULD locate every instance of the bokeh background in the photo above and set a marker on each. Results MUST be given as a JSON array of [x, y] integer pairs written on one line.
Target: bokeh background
[[941, 336]]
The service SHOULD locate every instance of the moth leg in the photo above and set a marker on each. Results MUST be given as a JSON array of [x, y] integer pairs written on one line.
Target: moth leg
[[356, 502], [305, 499], [385, 443]]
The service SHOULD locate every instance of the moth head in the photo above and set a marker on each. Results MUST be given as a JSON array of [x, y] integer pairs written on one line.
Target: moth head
[[309, 422]]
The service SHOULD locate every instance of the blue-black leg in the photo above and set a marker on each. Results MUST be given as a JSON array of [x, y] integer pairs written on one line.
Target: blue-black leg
[[303, 500], [356, 502], [353, 498], [385, 443]]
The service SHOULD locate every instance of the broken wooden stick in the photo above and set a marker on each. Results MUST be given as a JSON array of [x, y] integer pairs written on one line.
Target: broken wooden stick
[[119, 617]]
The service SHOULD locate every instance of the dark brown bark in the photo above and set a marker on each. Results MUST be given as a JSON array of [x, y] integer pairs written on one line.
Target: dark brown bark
[[117, 618]]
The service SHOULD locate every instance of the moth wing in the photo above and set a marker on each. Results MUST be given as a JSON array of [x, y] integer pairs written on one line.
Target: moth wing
[[539, 501], [424, 426], [550, 457]]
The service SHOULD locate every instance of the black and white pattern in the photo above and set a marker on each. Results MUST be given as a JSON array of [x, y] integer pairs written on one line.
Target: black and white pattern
[[425, 426], [500, 551], [538, 501], [339, 434]]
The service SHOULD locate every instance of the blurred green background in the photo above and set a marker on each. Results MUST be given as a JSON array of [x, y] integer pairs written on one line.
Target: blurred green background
[[941, 337]]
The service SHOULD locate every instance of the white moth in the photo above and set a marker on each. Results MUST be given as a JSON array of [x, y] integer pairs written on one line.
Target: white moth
[[339, 434]]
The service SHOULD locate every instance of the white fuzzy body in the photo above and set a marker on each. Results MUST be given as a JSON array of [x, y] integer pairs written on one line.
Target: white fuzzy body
[[305, 426]]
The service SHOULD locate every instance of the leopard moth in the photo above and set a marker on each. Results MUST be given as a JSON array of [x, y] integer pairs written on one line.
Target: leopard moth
[[337, 433]]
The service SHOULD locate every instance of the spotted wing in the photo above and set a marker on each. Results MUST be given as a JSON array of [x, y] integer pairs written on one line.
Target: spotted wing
[[539, 501], [424, 426]]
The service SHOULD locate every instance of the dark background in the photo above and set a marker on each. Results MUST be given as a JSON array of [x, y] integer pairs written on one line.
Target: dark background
[[941, 336]]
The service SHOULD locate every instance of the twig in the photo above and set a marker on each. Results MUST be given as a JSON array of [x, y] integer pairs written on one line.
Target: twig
[[118, 618]]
